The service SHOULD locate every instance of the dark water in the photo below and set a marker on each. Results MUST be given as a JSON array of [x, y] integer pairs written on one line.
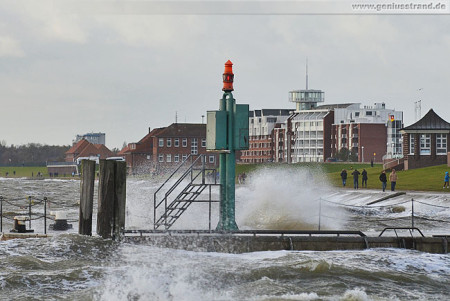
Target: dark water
[[73, 267]]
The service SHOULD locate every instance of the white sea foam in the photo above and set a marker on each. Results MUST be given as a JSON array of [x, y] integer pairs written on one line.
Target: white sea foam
[[281, 198]]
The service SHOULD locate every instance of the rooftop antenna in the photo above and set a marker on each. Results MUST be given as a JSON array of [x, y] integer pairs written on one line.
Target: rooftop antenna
[[418, 107], [306, 73], [176, 117]]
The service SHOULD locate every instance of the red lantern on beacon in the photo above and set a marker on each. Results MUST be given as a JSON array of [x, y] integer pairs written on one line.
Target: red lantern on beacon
[[228, 77]]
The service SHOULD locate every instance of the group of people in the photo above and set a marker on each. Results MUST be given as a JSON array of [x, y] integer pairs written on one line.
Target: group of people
[[241, 178], [382, 177]]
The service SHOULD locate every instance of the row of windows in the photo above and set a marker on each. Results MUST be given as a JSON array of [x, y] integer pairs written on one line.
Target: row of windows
[[260, 145], [176, 142], [425, 144], [302, 124], [176, 158], [256, 153]]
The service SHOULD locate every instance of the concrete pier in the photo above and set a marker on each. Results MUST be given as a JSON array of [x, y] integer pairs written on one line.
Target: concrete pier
[[255, 241]]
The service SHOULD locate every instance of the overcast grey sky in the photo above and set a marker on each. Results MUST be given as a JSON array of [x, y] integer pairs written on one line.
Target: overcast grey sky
[[65, 71]]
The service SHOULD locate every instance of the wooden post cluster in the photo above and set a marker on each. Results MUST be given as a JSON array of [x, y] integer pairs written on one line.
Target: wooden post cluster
[[111, 198]]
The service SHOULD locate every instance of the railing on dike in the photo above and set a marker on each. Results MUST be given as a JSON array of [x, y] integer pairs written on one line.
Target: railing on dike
[[24, 207]]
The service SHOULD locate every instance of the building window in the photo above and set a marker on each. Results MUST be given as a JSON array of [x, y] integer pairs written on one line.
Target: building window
[[176, 142], [160, 158], [441, 144], [211, 159], [194, 146], [168, 158], [133, 146], [411, 144], [203, 142], [161, 142], [184, 157], [169, 142], [425, 144], [368, 113], [184, 142], [176, 158]]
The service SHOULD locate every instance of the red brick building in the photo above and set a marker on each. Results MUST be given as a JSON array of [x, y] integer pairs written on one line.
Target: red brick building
[[425, 143], [366, 140], [165, 148], [81, 149], [368, 132]]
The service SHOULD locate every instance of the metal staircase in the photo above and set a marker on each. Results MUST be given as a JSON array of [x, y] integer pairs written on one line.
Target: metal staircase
[[167, 209]]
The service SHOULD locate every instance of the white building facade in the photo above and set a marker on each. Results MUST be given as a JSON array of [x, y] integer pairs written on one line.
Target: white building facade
[[376, 114]]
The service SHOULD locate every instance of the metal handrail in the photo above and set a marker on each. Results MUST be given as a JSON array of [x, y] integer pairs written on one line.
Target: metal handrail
[[249, 232], [402, 228], [174, 186]]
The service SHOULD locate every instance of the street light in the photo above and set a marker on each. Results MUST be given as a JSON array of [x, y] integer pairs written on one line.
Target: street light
[[362, 154]]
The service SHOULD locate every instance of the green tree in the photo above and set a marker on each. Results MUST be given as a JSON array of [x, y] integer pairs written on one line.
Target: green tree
[[343, 154]]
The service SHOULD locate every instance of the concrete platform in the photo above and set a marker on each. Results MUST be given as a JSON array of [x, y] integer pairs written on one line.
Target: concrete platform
[[255, 241]]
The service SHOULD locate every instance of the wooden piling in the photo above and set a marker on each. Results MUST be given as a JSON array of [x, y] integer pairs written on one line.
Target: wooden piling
[[86, 197], [105, 198], [111, 198], [120, 197]]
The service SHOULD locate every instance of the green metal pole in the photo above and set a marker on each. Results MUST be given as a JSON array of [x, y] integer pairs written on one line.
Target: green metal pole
[[231, 167], [222, 179], [228, 170]]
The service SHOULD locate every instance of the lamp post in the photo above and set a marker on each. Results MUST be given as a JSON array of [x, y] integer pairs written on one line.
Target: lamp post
[[362, 154]]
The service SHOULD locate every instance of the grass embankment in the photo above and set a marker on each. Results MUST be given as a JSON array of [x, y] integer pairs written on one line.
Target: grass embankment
[[23, 172], [422, 179]]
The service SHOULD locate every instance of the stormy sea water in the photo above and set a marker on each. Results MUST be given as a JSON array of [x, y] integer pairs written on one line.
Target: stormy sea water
[[68, 266]]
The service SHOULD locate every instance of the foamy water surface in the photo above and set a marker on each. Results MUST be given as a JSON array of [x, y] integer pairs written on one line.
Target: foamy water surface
[[73, 267]]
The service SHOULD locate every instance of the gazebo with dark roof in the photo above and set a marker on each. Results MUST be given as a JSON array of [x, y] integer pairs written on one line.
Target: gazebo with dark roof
[[425, 143]]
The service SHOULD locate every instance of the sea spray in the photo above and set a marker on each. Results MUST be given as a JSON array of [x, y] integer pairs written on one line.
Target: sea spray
[[287, 199]]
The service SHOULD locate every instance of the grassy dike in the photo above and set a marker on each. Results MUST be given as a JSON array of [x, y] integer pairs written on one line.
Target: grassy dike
[[422, 179], [23, 172]]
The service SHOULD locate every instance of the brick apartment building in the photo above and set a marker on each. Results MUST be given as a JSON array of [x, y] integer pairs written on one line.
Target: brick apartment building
[[261, 125], [367, 141], [425, 143], [165, 148], [372, 133]]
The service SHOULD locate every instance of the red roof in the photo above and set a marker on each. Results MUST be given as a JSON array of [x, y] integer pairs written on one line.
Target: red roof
[[83, 148], [76, 148]]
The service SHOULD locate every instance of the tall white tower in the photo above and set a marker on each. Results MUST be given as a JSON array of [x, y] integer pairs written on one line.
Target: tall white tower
[[306, 99]]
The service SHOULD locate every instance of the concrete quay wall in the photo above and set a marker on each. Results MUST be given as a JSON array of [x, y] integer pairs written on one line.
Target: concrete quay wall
[[244, 244]]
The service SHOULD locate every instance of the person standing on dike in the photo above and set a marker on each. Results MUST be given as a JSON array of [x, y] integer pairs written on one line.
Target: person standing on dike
[[355, 174], [344, 177], [383, 180], [446, 179], [364, 178], [393, 179]]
